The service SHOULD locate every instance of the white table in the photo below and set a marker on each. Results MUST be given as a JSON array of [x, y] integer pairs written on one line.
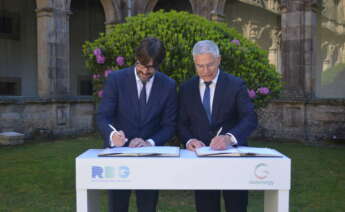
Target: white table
[[187, 172]]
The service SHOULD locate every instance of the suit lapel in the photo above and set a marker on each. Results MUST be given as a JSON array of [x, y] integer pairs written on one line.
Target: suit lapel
[[153, 97], [133, 92], [195, 97], [217, 99]]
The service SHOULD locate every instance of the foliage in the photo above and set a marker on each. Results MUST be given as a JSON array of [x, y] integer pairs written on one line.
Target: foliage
[[180, 31]]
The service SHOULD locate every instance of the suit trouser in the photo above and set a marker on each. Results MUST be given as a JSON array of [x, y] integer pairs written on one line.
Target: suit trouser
[[209, 200], [119, 200]]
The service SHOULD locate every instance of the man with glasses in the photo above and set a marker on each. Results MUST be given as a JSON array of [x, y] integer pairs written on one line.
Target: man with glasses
[[212, 102], [138, 109]]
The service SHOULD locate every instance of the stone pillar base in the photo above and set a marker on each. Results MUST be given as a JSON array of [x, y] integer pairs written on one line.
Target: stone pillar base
[[11, 138]]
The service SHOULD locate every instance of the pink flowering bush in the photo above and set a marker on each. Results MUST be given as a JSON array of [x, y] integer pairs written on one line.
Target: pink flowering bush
[[264, 91], [180, 31], [120, 60], [252, 94], [236, 42]]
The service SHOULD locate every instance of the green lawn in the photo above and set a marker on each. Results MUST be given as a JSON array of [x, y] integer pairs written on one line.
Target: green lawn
[[39, 176]]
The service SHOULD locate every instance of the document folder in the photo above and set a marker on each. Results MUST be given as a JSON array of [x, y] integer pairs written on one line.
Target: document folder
[[166, 151], [238, 151]]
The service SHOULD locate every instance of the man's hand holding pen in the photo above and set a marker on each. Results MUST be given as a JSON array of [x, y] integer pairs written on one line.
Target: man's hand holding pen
[[221, 142], [118, 138]]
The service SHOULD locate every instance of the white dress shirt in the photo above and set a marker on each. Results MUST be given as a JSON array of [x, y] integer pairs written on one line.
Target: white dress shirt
[[202, 88], [140, 85]]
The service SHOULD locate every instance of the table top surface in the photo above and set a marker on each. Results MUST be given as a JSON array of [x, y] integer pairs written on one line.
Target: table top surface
[[184, 154]]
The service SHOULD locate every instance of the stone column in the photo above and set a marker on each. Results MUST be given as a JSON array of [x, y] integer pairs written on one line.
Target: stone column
[[53, 49], [293, 48], [312, 49], [299, 47]]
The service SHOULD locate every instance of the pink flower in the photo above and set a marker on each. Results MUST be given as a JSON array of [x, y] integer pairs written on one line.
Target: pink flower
[[264, 90], [236, 42], [251, 94], [95, 76], [97, 52], [100, 59], [120, 60], [107, 72], [100, 93]]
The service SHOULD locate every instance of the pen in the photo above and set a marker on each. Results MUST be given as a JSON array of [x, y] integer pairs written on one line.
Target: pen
[[220, 130], [115, 130], [112, 127]]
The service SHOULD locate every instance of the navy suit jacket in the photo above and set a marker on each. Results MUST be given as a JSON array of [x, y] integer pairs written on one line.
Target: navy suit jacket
[[120, 107], [232, 109]]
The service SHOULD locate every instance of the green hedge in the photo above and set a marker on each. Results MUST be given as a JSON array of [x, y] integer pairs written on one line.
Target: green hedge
[[180, 31]]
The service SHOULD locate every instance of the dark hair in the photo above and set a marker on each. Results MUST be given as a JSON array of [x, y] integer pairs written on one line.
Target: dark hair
[[150, 49]]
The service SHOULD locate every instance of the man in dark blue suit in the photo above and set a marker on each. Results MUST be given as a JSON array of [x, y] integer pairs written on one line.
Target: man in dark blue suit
[[141, 103], [210, 102]]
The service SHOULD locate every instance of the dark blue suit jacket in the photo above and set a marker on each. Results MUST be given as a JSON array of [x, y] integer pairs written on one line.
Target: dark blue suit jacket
[[120, 107], [232, 109]]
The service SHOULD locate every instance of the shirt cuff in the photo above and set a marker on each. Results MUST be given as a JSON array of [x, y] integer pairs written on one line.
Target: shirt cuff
[[152, 142], [233, 139]]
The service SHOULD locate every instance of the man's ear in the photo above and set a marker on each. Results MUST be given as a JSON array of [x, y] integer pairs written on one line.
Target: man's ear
[[219, 59]]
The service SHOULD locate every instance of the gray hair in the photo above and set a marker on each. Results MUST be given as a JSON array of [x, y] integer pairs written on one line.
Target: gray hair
[[206, 47]]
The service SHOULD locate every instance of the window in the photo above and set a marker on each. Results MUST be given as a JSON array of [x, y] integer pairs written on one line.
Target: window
[[84, 86], [10, 86], [9, 25]]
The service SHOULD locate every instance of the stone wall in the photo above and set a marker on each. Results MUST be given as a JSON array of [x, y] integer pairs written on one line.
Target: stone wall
[[315, 121], [47, 117]]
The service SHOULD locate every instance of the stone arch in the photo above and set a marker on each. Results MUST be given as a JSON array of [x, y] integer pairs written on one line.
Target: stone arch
[[64, 5], [150, 5], [112, 12], [211, 9], [181, 5]]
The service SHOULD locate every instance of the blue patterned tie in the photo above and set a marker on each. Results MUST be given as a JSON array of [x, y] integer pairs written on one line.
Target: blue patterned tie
[[142, 101], [206, 100]]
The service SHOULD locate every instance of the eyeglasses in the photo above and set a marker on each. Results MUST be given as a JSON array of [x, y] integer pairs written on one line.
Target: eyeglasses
[[148, 67], [208, 66]]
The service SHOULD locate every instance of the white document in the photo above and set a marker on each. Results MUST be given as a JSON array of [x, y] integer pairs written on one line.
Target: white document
[[238, 151], [167, 151]]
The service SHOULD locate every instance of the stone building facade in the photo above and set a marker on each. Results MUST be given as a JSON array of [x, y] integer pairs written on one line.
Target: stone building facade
[[45, 88]]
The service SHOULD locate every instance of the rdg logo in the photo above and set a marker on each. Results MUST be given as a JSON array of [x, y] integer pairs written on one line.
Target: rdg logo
[[109, 172]]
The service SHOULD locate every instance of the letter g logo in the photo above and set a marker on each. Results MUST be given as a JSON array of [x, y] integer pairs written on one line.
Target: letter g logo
[[261, 171]]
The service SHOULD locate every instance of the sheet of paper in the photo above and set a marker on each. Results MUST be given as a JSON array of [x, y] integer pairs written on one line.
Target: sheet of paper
[[238, 151], [141, 151], [207, 151], [258, 151]]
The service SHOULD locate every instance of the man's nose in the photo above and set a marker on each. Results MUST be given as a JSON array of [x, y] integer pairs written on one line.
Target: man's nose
[[145, 70]]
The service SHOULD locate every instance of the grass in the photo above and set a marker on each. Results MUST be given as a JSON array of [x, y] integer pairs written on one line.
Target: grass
[[40, 176]]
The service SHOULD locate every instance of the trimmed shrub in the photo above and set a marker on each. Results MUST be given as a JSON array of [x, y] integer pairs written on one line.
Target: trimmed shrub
[[180, 31]]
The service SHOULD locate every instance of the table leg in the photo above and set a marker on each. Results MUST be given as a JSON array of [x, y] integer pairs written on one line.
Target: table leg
[[276, 201], [87, 200]]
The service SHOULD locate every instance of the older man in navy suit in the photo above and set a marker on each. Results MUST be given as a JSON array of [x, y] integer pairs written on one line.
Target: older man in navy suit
[[211, 101], [141, 103]]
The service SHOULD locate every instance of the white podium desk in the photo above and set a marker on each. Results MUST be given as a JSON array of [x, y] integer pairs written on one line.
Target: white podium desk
[[186, 172]]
